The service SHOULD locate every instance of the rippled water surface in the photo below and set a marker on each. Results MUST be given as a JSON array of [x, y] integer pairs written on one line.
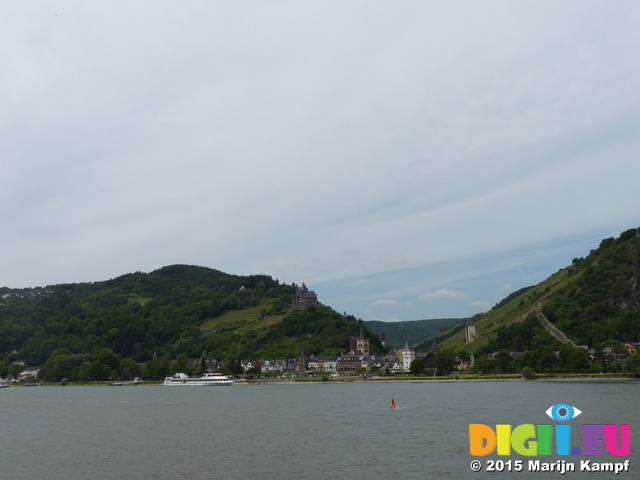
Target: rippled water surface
[[318, 431]]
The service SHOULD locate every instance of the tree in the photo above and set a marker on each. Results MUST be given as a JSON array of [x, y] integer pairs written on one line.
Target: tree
[[463, 356], [528, 373], [615, 348], [155, 369], [600, 355], [578, 359], [15, 369], [483, 365], [203, 365], [444, 361], [632, 365], [416, 367], [92, 371], [57, 366], [109, 358], [547, 358], [503, 362], [179, 365], [130, 369]]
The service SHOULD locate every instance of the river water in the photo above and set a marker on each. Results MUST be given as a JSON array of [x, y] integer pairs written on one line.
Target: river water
[[300, 431]]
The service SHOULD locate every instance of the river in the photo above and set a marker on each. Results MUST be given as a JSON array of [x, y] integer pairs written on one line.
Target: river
[[300, 431]]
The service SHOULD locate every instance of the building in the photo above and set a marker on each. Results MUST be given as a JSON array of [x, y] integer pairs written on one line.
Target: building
[[631, 348], [304, 298], [360, 343], [469, 332], [408, 355], [349, 364], [322, 364], [303, 359]]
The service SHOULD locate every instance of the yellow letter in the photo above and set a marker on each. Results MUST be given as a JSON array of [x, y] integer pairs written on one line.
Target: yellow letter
[[503, 432]]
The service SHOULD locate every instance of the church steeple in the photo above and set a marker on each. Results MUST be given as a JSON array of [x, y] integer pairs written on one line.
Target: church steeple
[[303, 359], [360, 343]]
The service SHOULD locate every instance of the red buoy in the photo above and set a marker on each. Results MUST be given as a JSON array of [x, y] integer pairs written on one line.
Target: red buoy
[[393, 403]]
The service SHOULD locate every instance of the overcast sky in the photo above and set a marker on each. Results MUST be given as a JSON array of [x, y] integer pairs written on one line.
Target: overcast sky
[[405, 160]]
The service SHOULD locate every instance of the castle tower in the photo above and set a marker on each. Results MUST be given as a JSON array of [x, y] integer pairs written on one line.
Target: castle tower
[[408, 356], [469, 332]]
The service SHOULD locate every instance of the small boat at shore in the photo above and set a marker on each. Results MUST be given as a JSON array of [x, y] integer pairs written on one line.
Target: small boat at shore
[[135, 381], [206, 380]]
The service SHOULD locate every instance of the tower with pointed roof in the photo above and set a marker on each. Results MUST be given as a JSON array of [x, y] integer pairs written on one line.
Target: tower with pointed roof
[[360, 343], [469, 332], [408, 356]]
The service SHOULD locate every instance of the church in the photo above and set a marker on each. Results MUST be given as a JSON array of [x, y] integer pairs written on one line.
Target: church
[[360, 343]]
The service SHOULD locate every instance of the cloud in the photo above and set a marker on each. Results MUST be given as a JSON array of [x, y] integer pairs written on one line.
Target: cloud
[[480, 305], [389, 303], [297, 142], [442, 294], [508, 287], [384, 303]]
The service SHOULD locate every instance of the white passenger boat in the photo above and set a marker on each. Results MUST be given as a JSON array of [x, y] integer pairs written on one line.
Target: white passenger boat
[[207, 380]]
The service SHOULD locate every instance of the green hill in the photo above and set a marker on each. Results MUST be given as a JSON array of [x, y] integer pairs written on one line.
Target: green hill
[[415, 331], [594, 300], [176, 310]]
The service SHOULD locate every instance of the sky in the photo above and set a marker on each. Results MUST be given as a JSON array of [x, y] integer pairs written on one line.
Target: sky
[[406, 160]]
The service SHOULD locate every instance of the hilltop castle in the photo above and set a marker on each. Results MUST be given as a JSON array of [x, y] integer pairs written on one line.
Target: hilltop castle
[[304, 298]]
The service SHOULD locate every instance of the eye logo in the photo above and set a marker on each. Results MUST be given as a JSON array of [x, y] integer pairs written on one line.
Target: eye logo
[[562, 412]]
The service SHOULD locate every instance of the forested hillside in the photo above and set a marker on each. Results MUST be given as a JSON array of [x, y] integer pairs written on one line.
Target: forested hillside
[[595, 300], [415, 331], [604, 301], [176, 310]]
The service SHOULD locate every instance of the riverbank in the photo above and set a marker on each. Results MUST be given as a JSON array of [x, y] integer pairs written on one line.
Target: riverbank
[[450, 379], [562, 377]]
